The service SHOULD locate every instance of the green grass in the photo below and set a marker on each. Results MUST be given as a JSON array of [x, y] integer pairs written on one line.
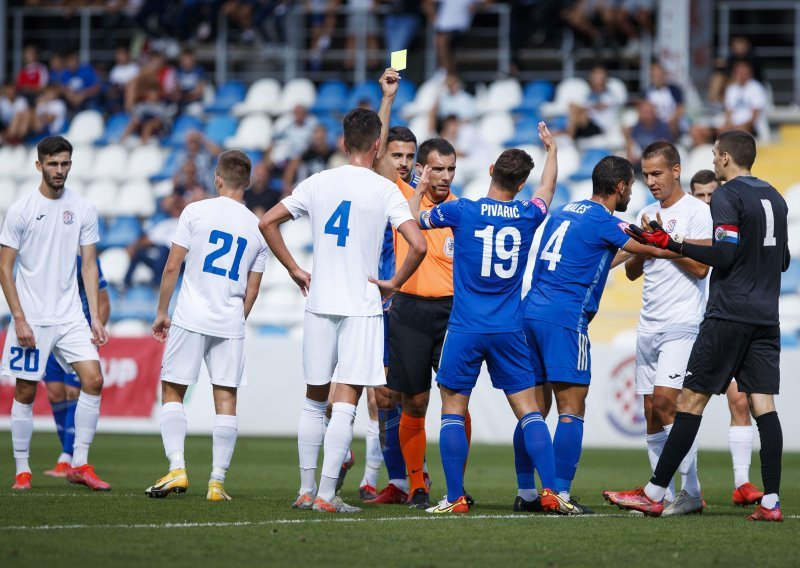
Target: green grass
[[257, 528]]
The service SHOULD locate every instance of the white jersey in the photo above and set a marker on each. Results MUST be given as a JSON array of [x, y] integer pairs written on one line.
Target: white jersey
[[47, 234], [348, 207], [672, 299], [224, 246]]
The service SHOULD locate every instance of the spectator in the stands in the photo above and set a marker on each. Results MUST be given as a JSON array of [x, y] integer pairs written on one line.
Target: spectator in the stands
[[81, 85], [191, 81], [667, 98], [50, 114], [452, 20], [56, 69], [123, 72], [152, 248], [454, 100], [361, 18], [321, 21], [154, 70], [649, 128], [312, 161], [630, 19], [589, 18], [740, 50], [150, 117], [203, 152], [186, 186], [598, 113], [401, 23], [261, 196], [14, 117], [291, 137], [33, 76]]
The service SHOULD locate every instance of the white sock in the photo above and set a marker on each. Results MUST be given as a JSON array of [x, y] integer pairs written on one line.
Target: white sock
[[86, 416], [655, 492], [740, 439], [564, 495], [173, 433], [64, 458], [374, 457], [528, 494], [337, 441], [223, 443], [688, 468], [310, 434], [21, 434], [770, 501], [670, 494]]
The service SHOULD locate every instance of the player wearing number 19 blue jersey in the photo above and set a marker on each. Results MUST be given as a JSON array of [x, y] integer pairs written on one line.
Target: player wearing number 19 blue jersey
[[225, 256], [493, 236]]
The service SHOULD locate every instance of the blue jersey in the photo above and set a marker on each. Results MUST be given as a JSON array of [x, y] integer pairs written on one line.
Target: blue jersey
[[579, 242], [386, 264], [103, 285], [492, 241]]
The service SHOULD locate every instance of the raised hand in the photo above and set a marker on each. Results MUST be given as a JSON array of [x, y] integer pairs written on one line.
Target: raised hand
[[546, 137], [389, 82]]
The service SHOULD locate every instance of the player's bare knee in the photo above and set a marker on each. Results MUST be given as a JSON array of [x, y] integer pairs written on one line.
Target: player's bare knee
[[25, 391], [663, 411], [416, 405], [740, 411], [56, 392]]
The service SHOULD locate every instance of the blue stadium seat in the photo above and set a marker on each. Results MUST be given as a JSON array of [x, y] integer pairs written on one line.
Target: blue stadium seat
[[254, 155], [790, 280], [369, 91], [220, 127], [169, 168], [526, 131], [790, 339], [138, 302], [182, 126], [561, 196], [406, 91], [121, 232], [115, 126], [534, 94], [228, 94], [589, 160], [331, 96]]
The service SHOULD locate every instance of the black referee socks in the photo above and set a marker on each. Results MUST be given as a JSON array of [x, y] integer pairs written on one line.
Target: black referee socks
[[681, 437], [769, 430]]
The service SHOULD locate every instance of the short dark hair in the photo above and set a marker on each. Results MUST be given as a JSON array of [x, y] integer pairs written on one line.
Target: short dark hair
[[361, 128], [702, 177], [740, 145], [53, 145], [234, 167], [401, 134], [438, 145], [608, 173], [511, 169], [665, 149]]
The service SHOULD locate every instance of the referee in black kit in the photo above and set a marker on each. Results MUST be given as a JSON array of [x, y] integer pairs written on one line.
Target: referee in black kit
[[740, 335]]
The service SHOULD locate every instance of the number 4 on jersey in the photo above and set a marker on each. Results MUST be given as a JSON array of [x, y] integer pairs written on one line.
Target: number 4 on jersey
[[552, 249], [338, 224]]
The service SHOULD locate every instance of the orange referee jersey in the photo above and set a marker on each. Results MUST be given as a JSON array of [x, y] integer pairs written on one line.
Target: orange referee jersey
[[434, 277]]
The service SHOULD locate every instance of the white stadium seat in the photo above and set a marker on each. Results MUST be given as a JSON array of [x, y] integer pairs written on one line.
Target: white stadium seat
[[115, 262], [299, 91], [103, 193], [580, 190], [568, 160], [568, 91], [136, 198], [280, 306], [475, 189], [130, 328], [700, 158], [86, 128], [426, 97], [502, 95], [297, 234], [13, 162], [792, 197], [263, 96], [82, 163], [110, 161], [144, 162], [496, 127], [8, 193], [253, 133], [163, 188]]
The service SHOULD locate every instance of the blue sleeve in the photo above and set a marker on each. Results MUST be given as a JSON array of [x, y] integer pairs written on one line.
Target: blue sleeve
[[89, 77], [677, 94], [538, 208], [101, 279], [386, 267], [611, 231], [447, 214]]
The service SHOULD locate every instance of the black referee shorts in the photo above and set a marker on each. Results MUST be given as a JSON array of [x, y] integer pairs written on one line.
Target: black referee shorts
[[726, 349], [417, 327]]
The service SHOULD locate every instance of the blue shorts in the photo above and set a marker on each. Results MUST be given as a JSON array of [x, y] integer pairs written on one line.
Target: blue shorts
[[54, 373], [558, 354], [386, 338], [506, 355]]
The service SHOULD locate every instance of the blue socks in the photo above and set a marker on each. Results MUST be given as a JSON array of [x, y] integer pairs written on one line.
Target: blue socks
[[392, 454], [454, 449], [539, 447], [69, 427], [60, 417], [522, 461], [567, 444]]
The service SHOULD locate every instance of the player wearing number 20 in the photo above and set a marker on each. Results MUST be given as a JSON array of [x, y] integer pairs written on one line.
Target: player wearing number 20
[[225, 256]]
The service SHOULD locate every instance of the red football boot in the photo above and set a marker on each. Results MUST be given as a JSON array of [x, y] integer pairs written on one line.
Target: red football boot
[[747, 494]]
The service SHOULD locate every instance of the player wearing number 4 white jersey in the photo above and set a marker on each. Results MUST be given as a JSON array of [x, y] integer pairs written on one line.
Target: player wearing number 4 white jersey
[[225, 256], [43, 230], [349, 207], [673, 301]]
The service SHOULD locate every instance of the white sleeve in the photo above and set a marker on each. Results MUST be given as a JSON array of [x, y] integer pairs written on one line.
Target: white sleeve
[[89, 232], [183, 234], [758, 96], [397, 210], [702, 225], [261, 260], [13, 228], [298, 202]]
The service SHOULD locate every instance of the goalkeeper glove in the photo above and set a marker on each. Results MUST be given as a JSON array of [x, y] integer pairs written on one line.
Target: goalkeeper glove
[[657, 238]]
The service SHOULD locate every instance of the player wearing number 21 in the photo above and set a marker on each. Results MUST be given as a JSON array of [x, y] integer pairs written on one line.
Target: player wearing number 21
[[349, 207], [225, 256]]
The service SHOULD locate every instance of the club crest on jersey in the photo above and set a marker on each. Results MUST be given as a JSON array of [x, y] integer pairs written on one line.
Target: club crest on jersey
[[69, 217], [671, 225], [449, 246]]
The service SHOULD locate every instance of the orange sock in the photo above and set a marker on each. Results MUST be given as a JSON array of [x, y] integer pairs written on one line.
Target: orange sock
[[412, 444]]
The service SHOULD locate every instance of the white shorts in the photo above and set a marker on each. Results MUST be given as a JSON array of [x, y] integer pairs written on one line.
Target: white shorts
[[355, 343], [185, 349], [69, 343], [661, 359]]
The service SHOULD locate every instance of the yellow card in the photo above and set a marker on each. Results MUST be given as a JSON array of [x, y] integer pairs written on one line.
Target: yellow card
[[399, 59]]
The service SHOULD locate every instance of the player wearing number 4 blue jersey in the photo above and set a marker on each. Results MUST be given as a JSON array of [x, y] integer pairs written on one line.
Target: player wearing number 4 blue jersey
[[225, 256], [493, 236], [579, 242]]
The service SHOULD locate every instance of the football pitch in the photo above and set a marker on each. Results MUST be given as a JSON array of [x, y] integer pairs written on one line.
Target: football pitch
[[57, 524]]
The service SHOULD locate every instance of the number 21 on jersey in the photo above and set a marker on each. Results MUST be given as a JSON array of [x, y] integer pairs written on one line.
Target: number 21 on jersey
[[225, 241]]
